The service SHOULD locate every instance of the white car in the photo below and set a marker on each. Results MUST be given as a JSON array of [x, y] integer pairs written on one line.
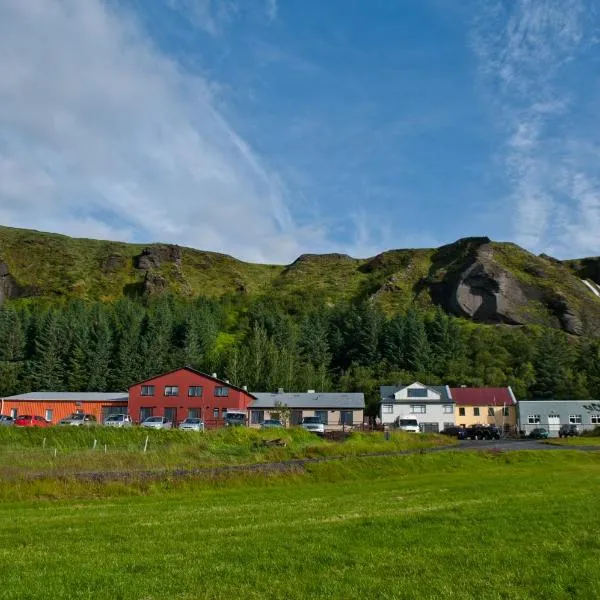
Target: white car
[[157, 423], [314, 425], [118, 421], [78, 420], [410, 425], [191, 424]]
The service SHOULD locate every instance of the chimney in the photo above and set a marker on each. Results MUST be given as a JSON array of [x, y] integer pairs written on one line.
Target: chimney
[[226, 380], [245, 388], [214, 375], [280, 390], [310, 391]]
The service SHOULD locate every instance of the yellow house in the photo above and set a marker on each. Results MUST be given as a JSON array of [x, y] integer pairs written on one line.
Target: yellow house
[[485, 406]]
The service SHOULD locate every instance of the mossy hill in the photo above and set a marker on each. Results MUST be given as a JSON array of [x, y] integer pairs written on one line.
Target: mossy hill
[[488, 282]]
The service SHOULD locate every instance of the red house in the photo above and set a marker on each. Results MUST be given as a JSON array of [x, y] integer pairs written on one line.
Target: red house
[[184, 393]]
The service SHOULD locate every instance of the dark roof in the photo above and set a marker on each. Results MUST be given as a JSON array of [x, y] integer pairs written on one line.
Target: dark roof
[[325, 400], [387, 392], [466, 396], [72, 397], [196, 372]]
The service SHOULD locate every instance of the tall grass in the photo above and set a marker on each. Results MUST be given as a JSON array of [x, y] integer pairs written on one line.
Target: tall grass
[[68, 449]]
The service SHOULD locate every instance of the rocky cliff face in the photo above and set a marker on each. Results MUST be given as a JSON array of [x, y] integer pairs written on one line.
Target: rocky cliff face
[[483, 286]]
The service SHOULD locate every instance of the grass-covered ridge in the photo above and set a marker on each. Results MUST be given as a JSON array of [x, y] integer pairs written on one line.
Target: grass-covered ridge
[[478, 526], [55, 266]]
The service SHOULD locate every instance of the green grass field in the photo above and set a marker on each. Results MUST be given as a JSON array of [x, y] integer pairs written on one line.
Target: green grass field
[[445, 525]]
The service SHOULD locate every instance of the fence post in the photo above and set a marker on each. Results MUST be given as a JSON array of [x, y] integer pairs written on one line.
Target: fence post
[[386, 432], [104, 448], [44, 443], [95, 443], [146, 443], [55, 452]]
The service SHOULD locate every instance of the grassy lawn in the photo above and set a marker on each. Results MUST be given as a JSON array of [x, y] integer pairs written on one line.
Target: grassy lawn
[[574, 441], [444, 525], [60, 450]]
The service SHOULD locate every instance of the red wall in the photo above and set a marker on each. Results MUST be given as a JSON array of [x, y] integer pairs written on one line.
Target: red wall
[[60, 408], [184, 378]]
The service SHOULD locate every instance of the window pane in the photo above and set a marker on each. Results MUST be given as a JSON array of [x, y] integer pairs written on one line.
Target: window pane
[[48, 415], [417, 393], [476, 412], [323, 416], [216, 413], [195, 391], [461, 411], [388, 409], [193, 413], [147, 390], [490, 411], [346, 417], [448, 409], [257, 417]]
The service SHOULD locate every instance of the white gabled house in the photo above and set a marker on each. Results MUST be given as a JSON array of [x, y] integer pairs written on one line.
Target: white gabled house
[[431, 405]]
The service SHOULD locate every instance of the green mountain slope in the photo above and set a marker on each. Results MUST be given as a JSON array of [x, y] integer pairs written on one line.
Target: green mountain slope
[[485, 281]]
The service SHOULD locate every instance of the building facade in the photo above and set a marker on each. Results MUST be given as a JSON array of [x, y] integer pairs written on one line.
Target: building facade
[[54, 406], [432, 406], [184, 393], [485, 406], [337, 411], [552, 414]]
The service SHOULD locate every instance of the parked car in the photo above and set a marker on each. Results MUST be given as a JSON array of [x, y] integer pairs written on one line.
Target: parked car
[[6, 420], [78, 419], [539, 433], [453, 431], [568, 431], [234, 418], [410, 425], [31, 421], [481, 432], [192, 424], [314, 425], [157, 423], [271, 424], [120, 420]]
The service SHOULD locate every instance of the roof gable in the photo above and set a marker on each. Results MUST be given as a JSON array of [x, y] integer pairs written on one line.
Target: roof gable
[[388, 393], [195, 372]]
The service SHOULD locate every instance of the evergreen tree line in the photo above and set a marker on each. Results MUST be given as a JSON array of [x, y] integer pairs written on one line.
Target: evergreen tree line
[[83, 346]]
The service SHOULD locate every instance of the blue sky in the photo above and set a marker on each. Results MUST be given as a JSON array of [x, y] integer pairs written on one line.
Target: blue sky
[[269, 128]]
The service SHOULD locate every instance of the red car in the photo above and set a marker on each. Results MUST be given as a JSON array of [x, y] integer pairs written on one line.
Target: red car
[[31, 421]]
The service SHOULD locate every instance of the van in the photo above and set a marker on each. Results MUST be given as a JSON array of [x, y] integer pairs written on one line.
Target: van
[[411, 425], [234, 418]]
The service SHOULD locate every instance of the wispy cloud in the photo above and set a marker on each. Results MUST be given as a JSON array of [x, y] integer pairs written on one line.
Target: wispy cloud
[[103, 135], [525, 49]]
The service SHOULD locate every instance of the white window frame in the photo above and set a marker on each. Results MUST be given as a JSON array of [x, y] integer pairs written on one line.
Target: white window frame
[[147, 390], [14, 413], [173, 390], [448, 409], [575, 419], [387, 409], [48, 414], [533, 419], [491, 411], [418, 409], [595, 419]]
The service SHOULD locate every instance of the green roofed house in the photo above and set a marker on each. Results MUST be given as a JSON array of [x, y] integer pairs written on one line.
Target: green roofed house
[[336, 410]]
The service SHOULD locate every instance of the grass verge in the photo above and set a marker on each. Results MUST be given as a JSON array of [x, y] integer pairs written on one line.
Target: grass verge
[[505, 526]]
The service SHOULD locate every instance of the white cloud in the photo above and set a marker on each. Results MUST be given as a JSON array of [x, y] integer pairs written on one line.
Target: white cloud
[[272, 9], [102, 135], [525, 48]]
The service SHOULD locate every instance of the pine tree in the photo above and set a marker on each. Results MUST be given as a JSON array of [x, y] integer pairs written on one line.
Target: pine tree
[[416, 345], [48, 369]]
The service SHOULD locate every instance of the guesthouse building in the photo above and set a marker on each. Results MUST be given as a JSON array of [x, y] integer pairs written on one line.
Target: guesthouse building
[[54, 406], [187, 393], [431, 405], [337, 411], [485, 406], [551, 415]]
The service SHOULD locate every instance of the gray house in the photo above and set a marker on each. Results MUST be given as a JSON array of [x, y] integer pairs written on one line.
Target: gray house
[[551, 414], [431, 405], [336, 410]]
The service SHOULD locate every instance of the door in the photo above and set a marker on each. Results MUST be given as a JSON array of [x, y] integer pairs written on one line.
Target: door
[[171, 414], [295, 417], [553, 424]]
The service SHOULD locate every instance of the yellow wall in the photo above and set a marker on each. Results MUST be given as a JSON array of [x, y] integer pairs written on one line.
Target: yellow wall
[[470, 418]]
